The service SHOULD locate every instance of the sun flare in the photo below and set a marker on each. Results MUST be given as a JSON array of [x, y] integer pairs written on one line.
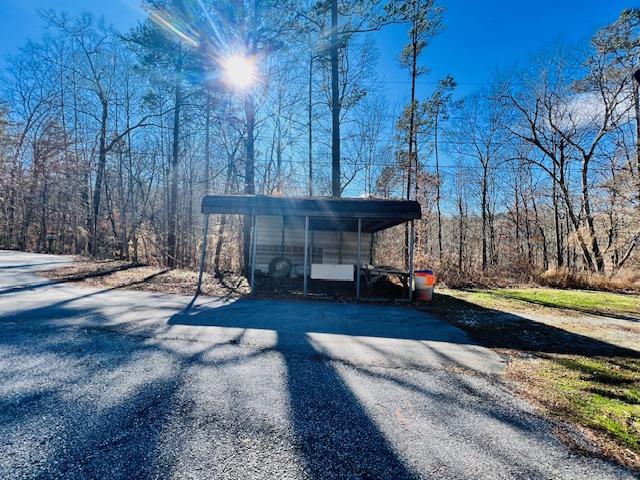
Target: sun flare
[[239, 71]]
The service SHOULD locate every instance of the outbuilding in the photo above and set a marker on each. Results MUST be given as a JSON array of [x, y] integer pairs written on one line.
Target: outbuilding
[[322, 238]]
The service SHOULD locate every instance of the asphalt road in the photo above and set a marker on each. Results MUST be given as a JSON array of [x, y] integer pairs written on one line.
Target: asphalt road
[[119, 384]]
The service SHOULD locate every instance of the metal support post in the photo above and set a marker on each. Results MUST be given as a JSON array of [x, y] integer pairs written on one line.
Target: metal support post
[[203, 255], [254, 245], [411, 242], [358, 259], [306, 254]]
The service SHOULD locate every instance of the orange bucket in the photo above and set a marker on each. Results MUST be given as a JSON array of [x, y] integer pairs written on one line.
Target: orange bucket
[[424, 283]]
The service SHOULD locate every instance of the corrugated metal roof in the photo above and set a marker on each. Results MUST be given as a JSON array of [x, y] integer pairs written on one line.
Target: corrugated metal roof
[[327, 213]]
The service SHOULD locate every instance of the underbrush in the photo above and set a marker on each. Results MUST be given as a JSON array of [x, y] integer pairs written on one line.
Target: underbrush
[[623, 282], [563, 278], [450, 276]]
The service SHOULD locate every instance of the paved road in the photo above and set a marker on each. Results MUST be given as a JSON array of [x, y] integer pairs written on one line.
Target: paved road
[[117, 384]]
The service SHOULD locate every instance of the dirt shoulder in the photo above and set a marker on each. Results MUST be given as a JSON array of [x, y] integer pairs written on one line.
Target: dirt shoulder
[[112, 274], [529, 325], [582, 370]]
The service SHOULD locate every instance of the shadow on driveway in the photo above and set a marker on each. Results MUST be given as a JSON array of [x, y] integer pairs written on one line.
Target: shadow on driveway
[[499, 329], [334, 434]]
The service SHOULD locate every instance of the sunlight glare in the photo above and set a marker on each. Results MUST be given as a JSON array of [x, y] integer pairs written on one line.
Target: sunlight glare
[[239, 71]]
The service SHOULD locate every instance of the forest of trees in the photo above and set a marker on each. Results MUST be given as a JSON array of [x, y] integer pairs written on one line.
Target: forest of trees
[[109, 140]]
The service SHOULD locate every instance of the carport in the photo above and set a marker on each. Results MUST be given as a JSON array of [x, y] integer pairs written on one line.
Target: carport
[[338, 225]]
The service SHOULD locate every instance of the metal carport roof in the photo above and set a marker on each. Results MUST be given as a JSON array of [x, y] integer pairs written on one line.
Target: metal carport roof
[[325, 213]]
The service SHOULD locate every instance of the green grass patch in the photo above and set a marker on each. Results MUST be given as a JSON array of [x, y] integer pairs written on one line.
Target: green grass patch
[[579, 300], [584, 372], [600, 393]]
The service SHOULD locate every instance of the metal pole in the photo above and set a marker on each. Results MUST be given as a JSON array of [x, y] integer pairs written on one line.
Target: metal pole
[[358, 260], [203, 255], [306, 253], [254, 244], [411, 240]]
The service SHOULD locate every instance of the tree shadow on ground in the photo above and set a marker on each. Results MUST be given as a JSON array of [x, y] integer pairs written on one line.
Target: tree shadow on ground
[[78, 278], [334, 435], [499, 329], [627, 313], [583, 310], [29, 265], [74, 439], [87, 403]]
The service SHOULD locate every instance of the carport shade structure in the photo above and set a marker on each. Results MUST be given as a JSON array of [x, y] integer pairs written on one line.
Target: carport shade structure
[[359, 215]]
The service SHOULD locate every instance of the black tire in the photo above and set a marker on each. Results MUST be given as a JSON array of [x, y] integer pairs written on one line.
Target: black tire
[[280, 267]]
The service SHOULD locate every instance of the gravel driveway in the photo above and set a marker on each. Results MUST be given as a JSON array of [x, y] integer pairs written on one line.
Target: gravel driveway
[[118, 384]]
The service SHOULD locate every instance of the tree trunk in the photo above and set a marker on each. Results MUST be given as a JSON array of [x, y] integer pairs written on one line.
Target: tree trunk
[[636, 107], [484, 217], [278, 174], [310, 189], [575, 222], [516, 199], [43, 214], [556, 219], [586, 201], [97, 189], [438, 185], [11, 210], [175, 161], [336, 189], [460, 232], [122, 196], [191, 245], [249, 170], [410, 149], [223, 220], [207, 144], [540, 226], [249, 174]]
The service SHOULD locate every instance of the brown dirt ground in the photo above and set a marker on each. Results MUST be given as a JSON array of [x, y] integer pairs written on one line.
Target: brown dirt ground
[[120, 274]]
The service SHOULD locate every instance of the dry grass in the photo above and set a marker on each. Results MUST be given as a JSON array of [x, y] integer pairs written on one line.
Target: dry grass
[[627, 281], [599, 396], [563, 278], [118, 274]]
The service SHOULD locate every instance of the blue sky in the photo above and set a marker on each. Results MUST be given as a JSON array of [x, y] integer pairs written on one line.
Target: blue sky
[[481, 35], [485, 35]]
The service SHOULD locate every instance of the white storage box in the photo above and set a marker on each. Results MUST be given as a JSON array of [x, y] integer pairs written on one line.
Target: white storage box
[[332, 271]]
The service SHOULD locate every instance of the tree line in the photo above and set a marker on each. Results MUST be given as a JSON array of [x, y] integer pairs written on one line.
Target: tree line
[[108, 139]]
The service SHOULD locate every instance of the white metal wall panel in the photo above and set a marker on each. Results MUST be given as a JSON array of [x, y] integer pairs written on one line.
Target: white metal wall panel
[[325, 245]]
